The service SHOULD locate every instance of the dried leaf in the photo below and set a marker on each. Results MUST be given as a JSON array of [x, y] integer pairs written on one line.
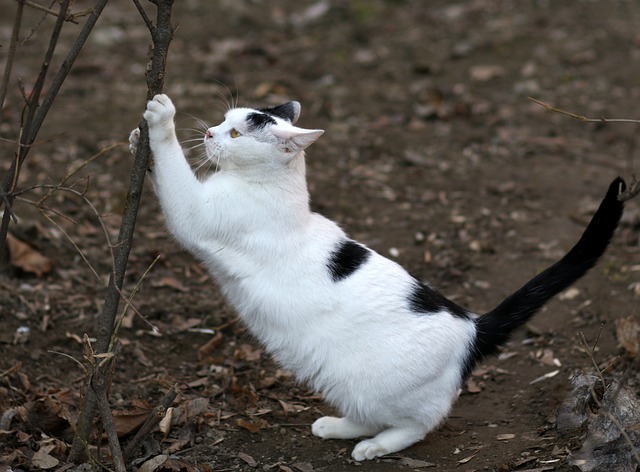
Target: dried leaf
[[165, 423], [42, 459], [246, 352], [128, 421], [176, 465], [252, 426], [545, 376], [251, 462], [190, 409], [628, 334], [468, 458], [210, 346], [26, 258], [472, 386], [186, 438], [171, 282], [569, 294], [152, 464], [505, 437], [293, 407], [415, 463]]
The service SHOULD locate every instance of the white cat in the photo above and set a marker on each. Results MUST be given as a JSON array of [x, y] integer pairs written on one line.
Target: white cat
[[387, 351]]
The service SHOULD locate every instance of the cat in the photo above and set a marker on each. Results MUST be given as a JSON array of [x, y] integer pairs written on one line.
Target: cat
[[388, 352]]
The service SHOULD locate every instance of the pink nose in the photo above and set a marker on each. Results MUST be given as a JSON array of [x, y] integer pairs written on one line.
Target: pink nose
[[208, 134]]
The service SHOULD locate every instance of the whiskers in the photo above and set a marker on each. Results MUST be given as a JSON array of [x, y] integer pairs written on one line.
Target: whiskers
[[194, 144], [224, 99]]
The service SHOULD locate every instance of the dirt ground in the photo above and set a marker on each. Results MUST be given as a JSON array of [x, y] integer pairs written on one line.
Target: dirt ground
[[433, 155]]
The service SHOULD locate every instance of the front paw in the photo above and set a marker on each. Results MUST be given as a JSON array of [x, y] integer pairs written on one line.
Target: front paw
[[368, 449], [134, 139], [160, 112]]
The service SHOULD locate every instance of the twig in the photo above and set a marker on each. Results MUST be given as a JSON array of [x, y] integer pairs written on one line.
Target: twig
[[144, 16], [155, 416], [36, 6], [129, 301], [634, 186], [581, 117], [11, 53]]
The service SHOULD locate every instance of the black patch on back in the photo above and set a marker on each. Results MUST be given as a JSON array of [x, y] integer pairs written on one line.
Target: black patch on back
[[285, 111], [425, 300], [259, 120], [348, 257]]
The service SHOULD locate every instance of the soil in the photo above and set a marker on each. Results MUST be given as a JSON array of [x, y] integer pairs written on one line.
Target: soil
[[433, 155]]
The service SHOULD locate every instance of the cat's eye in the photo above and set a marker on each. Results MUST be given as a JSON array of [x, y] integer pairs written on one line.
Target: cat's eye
[[234, 133]]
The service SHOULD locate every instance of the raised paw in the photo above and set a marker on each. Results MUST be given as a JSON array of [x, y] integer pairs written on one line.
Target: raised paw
[[368, 449], [160, 112], [134, 139]]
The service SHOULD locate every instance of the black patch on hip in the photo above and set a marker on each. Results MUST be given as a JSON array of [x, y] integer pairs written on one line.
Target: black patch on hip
[[348, 257], [425, 300]]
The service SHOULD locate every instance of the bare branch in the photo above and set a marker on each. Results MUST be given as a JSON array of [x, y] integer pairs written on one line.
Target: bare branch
[[161, 37], [37, 114], [144, 16], [11, 53]]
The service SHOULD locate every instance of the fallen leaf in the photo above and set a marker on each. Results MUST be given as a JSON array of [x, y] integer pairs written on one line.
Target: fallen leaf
[[293, 407], [569, 294], [472, 386], [165, 423], [210, 346], [246, 352], [545, 376], [170, 282], [505, 437], [468, 458], [251, 462], [190, 409], [485, 73], [152, 464], [628, 334], [176, 465], [26, 258], [43, 460], [128, 421], [415, 463], [252, 426], [186, 438]]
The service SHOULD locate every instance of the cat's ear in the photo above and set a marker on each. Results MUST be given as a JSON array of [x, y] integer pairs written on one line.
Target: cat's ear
[[294, 138], [289, 111]]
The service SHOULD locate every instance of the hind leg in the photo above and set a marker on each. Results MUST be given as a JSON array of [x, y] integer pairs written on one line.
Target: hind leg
[[388, 441], [330, 427]]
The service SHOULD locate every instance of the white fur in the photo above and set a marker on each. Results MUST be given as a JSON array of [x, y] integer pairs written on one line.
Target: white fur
[[392, 373]]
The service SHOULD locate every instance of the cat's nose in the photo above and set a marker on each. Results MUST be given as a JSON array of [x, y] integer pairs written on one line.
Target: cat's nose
[[208, 134]]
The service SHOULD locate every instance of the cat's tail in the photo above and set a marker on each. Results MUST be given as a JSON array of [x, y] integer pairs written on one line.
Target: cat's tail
[[494, 328]]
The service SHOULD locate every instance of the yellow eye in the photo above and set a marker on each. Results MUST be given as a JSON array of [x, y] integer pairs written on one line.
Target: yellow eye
[[234, 133]]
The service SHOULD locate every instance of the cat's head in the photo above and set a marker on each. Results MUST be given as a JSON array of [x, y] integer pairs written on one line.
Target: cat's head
[[263, 138]]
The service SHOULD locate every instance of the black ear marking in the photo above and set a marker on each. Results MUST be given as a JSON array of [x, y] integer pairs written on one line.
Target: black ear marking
[[289, 111], [259, 120]]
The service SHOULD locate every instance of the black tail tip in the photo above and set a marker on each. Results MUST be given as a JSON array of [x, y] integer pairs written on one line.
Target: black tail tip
[[617, 187]]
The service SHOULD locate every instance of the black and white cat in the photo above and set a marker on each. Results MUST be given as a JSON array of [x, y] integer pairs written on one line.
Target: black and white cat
[[389, 352]]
